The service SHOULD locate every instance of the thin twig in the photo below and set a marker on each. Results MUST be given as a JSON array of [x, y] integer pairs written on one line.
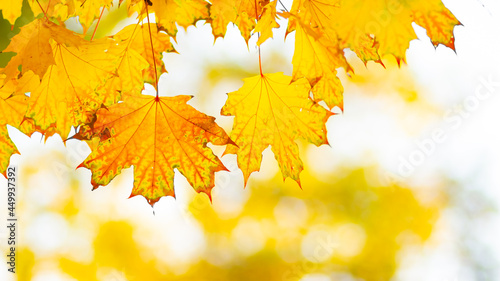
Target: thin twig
[[152, 50]]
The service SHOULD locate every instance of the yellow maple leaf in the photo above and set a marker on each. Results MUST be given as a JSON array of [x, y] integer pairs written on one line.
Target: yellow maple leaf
[[13, 105], [58, 9], [316, 58], [270, 110], [267, 22], [135, 40], [317, 13], [88, 10], [66, 96], [243, 13], [315, 18], [156, 135], [33, 49], [136, 63], [390, 23], [317, 50], [376, 28], [370, 28], [168, 13], [11, 10], [318, 19]]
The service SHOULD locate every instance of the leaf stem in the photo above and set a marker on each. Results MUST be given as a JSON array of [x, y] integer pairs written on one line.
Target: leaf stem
[[282, 5], [260, 62], [43, 11], [97, 25], [258, 34], [152, 50]]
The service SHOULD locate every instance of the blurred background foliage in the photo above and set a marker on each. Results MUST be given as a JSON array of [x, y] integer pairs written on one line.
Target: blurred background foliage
[[346, 229]]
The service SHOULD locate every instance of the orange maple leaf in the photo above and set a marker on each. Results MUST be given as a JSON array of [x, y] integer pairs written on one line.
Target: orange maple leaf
[[438, 21], [156, 135], [270, 110]]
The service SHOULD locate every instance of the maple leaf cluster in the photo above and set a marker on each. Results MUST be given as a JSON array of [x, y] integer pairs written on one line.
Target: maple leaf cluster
[[57, 80]]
